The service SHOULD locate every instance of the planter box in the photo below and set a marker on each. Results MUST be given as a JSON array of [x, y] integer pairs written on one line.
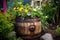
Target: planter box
[[28, 27]]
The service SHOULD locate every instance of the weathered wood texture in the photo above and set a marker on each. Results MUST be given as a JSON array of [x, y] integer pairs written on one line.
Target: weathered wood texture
[[29, 28]]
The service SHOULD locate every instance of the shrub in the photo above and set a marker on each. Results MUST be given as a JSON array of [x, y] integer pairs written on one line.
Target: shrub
[[6, 26]]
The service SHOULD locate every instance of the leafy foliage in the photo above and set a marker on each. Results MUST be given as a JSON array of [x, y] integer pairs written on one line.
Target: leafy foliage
[[18, 9], [50, 9], [58, 30], [5, 26]]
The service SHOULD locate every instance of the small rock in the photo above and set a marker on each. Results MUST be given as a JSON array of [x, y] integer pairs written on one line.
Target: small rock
[[47, 36]]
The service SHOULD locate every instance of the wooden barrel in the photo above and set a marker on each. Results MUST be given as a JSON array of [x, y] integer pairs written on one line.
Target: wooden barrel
[[28, 28]]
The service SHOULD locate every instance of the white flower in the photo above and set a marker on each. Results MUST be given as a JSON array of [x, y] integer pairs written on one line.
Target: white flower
[[46, 16], [28, 14], [37, 7], [34, 9]]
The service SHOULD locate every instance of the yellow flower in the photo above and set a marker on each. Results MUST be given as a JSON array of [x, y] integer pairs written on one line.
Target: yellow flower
[[21, 8], [26, 11], [28, 6], [15, 8]]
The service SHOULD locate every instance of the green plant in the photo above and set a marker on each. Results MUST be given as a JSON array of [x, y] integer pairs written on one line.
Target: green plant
[[26, 11], [19, 9], [58, 30], [6, 26], [50, 10]]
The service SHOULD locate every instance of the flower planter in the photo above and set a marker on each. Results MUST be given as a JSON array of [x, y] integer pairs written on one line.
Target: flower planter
[[29, 28]]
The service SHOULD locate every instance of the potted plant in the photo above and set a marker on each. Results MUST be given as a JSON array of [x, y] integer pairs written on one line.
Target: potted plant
[[29, 15], [33, 17]]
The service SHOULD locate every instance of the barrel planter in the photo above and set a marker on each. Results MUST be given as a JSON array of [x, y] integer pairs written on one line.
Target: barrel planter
[[29, 28]]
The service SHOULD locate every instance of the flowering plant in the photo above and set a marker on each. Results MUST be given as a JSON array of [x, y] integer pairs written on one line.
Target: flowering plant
[[26, 10]]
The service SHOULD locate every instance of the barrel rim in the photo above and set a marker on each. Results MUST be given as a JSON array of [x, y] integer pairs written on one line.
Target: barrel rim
[[30, 20]]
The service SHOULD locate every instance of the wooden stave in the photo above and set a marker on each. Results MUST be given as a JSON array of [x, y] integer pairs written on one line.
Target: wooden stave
[[27, 28], [26, 33]]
